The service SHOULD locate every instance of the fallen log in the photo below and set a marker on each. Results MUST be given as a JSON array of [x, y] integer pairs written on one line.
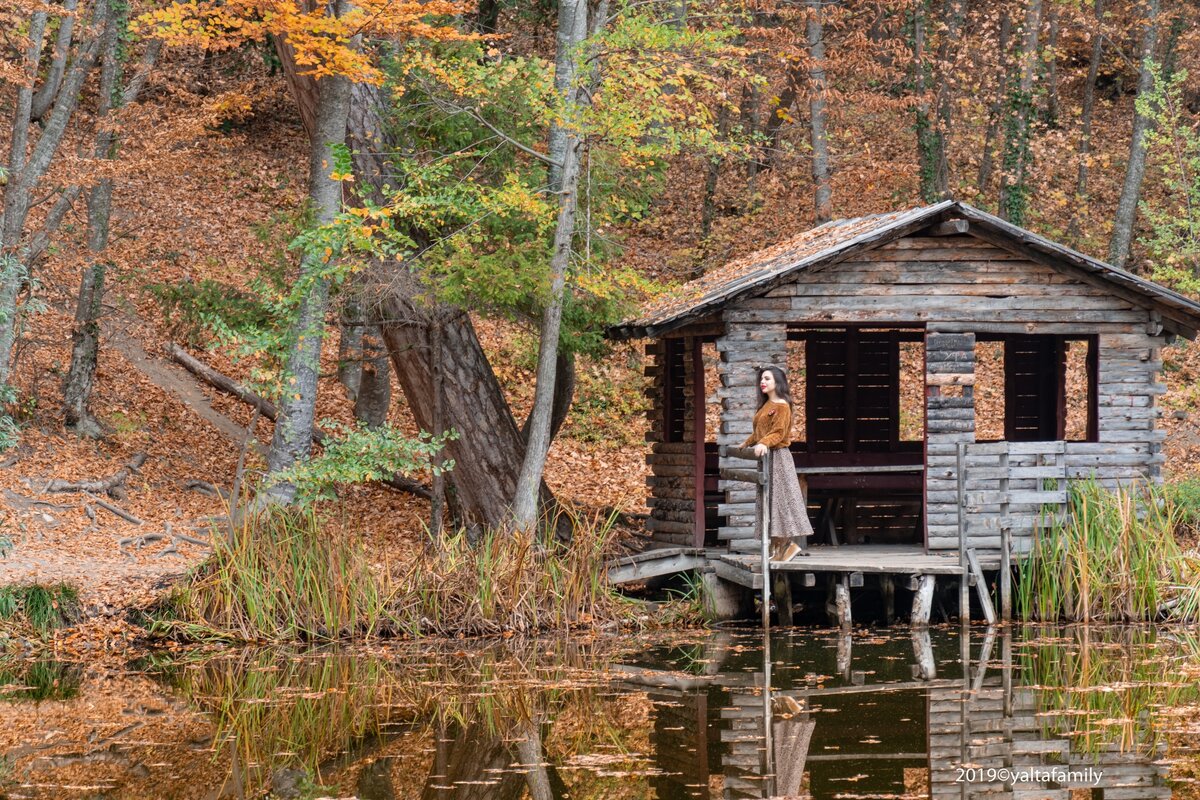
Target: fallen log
[[120, 512], [111, 485], [268, 410], [223, 382]]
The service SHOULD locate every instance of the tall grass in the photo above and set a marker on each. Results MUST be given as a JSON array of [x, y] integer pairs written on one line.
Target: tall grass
[[511, 583], [1114, 557], [279, 576], [39, 608]]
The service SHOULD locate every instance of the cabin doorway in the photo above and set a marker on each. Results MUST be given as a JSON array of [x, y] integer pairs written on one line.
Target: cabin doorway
[[860, 431]]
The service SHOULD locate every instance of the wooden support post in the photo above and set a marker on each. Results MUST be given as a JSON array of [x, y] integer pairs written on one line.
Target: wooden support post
[[768, 728], [887, 588], [762, 520], [925, 668], [981, 587], [923, 602], [1005, 544], [783, 598], [1005, 574], [964, 596], [842, 598], [845, 644], [985, 655]]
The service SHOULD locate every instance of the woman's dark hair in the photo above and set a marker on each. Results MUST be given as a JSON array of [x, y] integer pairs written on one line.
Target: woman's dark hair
[[781, 386]]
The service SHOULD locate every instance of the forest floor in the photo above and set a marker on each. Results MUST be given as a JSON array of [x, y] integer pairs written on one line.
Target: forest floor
[[196, 208]]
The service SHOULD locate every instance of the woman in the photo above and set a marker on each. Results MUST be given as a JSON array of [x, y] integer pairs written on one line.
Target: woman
[[773, 432]]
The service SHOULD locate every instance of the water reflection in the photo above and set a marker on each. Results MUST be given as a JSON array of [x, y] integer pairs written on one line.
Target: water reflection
[[711, 715]]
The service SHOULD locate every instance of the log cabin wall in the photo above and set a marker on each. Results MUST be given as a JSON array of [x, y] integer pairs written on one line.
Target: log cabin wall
[[745, 346], [671, 437], [956, 286]]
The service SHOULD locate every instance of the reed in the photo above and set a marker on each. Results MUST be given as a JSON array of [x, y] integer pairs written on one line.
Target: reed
[[38, 609], [1108, 686], [279, 575], [1114, 557], [512, 583]]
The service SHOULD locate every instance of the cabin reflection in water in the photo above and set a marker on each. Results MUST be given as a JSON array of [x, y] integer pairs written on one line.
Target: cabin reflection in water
[[897, 728]]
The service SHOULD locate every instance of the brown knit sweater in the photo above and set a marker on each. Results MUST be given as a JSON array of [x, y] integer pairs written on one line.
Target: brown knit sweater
[[772, 425]]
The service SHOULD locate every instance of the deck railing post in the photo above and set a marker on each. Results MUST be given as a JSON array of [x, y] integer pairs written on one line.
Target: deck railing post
[[763, 520], [964, 589]]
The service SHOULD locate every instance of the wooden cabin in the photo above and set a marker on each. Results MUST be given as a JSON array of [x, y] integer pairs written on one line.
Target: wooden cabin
[[950, 373]]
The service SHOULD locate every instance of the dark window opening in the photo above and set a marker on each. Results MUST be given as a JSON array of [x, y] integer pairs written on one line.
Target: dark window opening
[[855, 390], [1046, 392], [674, 391]]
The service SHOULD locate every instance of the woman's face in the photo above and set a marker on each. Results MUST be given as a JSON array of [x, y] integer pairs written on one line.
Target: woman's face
[[767, 383]]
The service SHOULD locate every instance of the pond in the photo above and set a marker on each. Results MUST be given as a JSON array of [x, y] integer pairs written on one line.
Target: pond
[[1036, 713]]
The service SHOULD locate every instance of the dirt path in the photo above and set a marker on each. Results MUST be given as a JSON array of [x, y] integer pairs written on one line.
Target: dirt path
[[51, 537]]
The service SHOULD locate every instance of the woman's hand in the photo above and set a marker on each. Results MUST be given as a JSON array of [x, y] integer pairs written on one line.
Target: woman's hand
[[761, 450]]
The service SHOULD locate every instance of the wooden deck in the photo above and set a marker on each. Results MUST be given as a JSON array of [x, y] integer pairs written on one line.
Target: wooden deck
[[881, 559]]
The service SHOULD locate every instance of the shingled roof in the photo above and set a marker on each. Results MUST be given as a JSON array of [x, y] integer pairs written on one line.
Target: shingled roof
[[762, 271]]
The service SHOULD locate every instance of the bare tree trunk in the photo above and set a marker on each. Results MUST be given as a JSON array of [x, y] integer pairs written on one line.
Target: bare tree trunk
[[375, 380], [822, 187], [25, 173], [564, 147], [292, 440], [1050, 113], [350, 349], [58, 64], [437, 505], [928, 141], [1085, 133], [773, 129], [1014, 190], [712, 176], [1135, 170], [986, 158], [85, 338]]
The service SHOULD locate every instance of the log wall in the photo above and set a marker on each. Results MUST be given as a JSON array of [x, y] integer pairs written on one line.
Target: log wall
[[745, 347], [671, 481]]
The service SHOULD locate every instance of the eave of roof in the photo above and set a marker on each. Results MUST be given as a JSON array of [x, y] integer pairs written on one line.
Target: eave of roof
[[761, 271]]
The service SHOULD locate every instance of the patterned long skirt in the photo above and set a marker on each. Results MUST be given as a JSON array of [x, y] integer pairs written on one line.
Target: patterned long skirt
[[789, 504]]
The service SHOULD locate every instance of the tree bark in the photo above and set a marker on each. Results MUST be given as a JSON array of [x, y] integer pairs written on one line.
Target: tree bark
[[350, 350], [1135, 171], [25, 173], [987, 159], [822, 187], [564, 148], [1085, 132], [292, 440], [935, 151], [58, 63], [1014, 190], [1050, 113], [374, 395], [712, 176], [85, 338]]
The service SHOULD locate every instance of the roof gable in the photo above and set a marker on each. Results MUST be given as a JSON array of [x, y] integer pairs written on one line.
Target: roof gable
[[836, 241]]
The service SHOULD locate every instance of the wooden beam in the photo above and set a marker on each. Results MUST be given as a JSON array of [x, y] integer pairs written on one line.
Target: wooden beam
[[951, 227], [985, 597]]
